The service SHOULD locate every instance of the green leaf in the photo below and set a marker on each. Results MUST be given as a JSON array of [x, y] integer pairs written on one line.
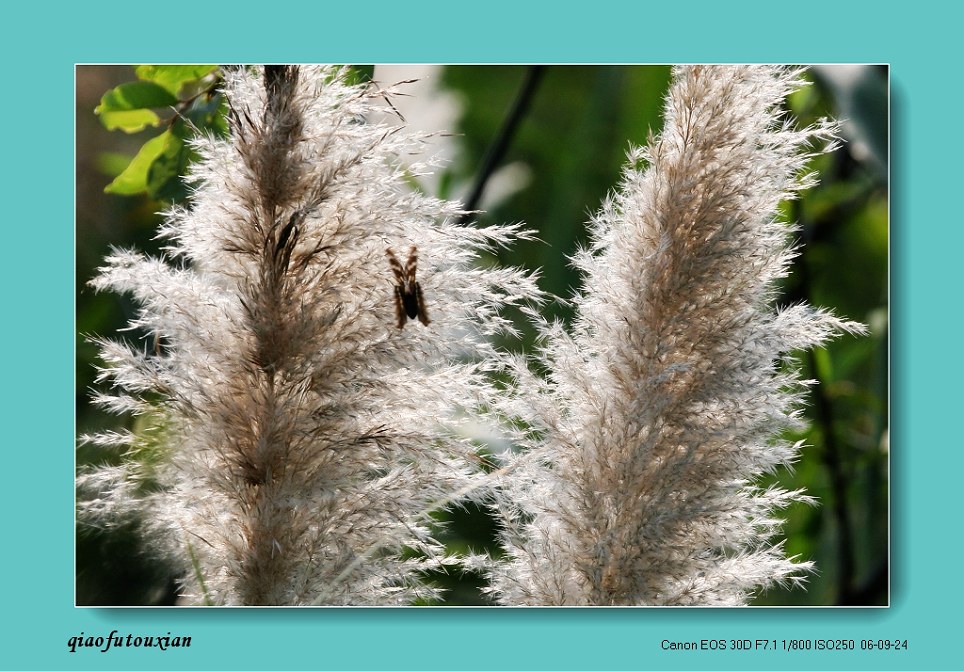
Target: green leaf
[[112, 163], [135, 177], [173, 77], [135, 95], [164, 173], [129, 121], [128, 106]]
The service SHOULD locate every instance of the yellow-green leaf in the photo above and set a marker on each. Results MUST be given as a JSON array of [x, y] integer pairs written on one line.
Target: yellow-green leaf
[[112, 163], [135, 95], [129, 106], [134, 178], [163, 175], [129, 121], [173, 77]]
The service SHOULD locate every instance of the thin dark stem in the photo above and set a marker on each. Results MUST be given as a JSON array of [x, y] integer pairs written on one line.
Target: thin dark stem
[[499, 146], [838, 482]]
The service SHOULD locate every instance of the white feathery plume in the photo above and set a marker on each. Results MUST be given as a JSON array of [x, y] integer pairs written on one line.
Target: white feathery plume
[[667, 401], [296, 434]]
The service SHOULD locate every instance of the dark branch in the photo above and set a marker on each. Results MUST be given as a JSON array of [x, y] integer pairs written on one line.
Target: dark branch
[[499, 146]]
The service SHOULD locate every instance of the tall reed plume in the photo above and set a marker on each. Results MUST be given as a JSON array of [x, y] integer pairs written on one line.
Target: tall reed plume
[[296, 427], [667, 400]]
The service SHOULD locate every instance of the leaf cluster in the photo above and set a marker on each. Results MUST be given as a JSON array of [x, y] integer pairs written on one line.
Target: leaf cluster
[[181, 100]]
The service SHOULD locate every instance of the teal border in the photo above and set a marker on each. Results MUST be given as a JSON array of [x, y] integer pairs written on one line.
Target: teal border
[[37, 115]]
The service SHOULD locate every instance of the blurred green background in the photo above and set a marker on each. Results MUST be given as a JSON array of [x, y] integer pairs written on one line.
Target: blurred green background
[[555, 138]]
